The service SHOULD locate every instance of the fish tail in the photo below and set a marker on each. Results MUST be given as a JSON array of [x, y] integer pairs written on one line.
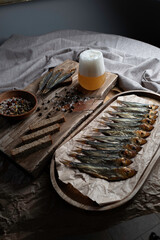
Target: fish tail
[[102, 122], [114, 107], [96, 130], [72, 155], [72, 71], [88, 137], [38, 92], [78, 150], [105, 118], [81, 141], [110, 112], [67, 163], [119, 101], [45, 91]]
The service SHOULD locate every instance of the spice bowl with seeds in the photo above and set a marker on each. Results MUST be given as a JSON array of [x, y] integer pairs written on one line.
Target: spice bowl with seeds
[[17, 104]]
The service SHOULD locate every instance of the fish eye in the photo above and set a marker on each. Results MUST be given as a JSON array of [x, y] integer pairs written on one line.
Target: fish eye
[[127, 172]]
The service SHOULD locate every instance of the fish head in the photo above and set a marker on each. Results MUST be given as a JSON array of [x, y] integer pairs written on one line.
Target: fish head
[[129, 153], [146, 127], [133, 147], [153, 112], [125, 161], [154, 107], [139, 141], [126, 172], [142, 134], [148, 120], [150, 115]]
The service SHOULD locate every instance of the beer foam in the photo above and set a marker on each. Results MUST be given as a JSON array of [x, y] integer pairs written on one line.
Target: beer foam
[[91, 63]]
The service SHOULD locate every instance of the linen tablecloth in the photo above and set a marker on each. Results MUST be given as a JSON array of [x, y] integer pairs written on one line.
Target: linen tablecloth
[[22, 59], [31, 209]]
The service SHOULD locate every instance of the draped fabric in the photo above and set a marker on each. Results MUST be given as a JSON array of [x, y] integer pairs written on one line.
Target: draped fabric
[[23, 59]]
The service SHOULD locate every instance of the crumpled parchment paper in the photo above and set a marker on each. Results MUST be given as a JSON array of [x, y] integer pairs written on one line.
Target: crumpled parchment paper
[[100, 190]]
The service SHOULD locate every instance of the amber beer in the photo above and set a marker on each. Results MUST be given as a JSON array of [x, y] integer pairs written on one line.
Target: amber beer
[[92, 73]]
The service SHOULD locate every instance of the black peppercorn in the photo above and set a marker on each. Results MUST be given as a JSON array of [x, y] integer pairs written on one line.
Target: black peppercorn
[[38, 109]]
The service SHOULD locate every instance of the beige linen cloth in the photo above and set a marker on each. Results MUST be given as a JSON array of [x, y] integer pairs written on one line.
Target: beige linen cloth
[[23, 59]]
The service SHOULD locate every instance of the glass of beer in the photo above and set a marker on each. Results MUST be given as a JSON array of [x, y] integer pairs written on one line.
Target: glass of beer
[[91, 75]]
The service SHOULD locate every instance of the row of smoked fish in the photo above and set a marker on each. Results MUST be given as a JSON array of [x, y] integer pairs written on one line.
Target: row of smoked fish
[[113, 146], [53, 79]]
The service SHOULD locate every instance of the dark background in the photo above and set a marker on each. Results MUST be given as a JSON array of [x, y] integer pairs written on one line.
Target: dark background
[[142, 19], [137, 19]]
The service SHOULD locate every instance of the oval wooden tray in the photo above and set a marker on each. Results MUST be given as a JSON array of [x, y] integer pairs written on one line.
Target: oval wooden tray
[[72, 195]]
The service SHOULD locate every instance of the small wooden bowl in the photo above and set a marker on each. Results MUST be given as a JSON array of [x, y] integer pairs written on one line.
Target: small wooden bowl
[[19, 94]]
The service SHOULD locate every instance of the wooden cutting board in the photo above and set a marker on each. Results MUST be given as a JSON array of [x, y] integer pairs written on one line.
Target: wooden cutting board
[[50, 105]]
